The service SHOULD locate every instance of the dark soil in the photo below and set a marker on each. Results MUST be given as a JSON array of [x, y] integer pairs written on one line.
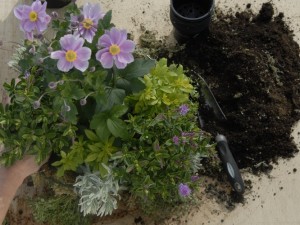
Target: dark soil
[[252, 66]]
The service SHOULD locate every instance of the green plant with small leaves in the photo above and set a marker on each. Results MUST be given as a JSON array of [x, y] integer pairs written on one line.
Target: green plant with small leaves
[[61, 209]]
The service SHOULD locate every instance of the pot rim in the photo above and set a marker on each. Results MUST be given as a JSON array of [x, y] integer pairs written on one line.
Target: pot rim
[[193, 19]]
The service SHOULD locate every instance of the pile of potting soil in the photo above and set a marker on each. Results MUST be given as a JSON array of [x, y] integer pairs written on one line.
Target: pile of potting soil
[[252, 66]]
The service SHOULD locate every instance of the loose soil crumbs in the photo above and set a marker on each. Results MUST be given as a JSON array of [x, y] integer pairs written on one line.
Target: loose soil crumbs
[[252, 66]]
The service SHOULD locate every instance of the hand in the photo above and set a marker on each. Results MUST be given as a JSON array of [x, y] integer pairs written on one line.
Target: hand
[[24, 167], [11, 178]]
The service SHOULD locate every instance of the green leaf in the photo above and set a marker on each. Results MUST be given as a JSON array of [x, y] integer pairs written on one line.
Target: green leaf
[[123, 84], [63, 154], [138, 68], [115, 96], [94, 148], [71, 114], [91, 157], [118, 110], [57, 163], [106, 21], [137, 85], [91, 135], [117, 127], [99, 124]]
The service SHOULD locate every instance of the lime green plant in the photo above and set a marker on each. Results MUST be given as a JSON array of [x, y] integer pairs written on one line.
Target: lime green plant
[[164, 86]]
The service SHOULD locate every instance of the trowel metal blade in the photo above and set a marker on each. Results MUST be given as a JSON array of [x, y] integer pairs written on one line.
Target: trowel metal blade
[[211, 100]]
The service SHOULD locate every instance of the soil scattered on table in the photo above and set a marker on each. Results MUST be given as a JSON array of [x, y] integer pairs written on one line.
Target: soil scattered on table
[[252, 66]]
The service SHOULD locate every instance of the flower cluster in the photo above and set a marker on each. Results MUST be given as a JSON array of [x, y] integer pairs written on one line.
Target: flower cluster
[[116, 49], [82, 97]]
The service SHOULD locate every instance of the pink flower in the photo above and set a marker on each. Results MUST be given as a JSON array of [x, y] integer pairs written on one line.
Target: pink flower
[[117, 49], [88, 26], [33, 18], [73, 54]]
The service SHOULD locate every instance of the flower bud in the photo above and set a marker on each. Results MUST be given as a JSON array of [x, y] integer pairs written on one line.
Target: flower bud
[[67, 108], [92, 69], [40, 61], [36, 104], [61, 82], [50, 49], [80, 18], [54, 15], [74, 24], [32, 50], [52, 85], [38, 36], [26, 74], [83, 101]]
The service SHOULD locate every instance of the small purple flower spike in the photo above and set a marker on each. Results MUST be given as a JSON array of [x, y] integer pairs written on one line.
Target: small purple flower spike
[[184, 190], [176, 140], [87, 27], [33, 17], [183, 109], [117, 49], [73, 54]]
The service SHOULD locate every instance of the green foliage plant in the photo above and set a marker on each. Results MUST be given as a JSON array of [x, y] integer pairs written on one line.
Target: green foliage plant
[[58, 210], [166, 144]]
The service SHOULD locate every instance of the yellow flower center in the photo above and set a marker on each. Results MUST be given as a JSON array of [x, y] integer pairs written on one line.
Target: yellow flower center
[[71, 56], [33, 16], [114, 49], [87, 23]]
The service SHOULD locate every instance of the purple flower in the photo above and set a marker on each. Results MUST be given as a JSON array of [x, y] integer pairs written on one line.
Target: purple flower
[[184, 190], [117, 49], [73, 54], [176, 140], [194, 178], [33, 17], [87, 26], [26, 74], [183, 109]]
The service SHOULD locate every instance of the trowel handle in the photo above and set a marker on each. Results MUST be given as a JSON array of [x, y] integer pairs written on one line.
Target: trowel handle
[[229, 164]]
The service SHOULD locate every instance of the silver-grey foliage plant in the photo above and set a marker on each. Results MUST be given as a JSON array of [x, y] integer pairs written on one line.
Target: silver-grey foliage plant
[[97, 196]]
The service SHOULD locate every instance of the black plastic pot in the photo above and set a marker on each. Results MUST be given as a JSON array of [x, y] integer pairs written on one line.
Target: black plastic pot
[[56, 4], [190, 17]]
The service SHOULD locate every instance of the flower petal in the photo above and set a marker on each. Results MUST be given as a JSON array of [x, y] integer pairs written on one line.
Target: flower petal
[[105, 40], [125, 57], [18, 11], [58, 54], [96, 13], [88, 35], [100, 52], [106, 60], [64, 65], [28, 26], [120, 65], [29, 36], [37, 6], [81, 65], [84, 53], [115, 35], [127, 46], [71, 42]]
